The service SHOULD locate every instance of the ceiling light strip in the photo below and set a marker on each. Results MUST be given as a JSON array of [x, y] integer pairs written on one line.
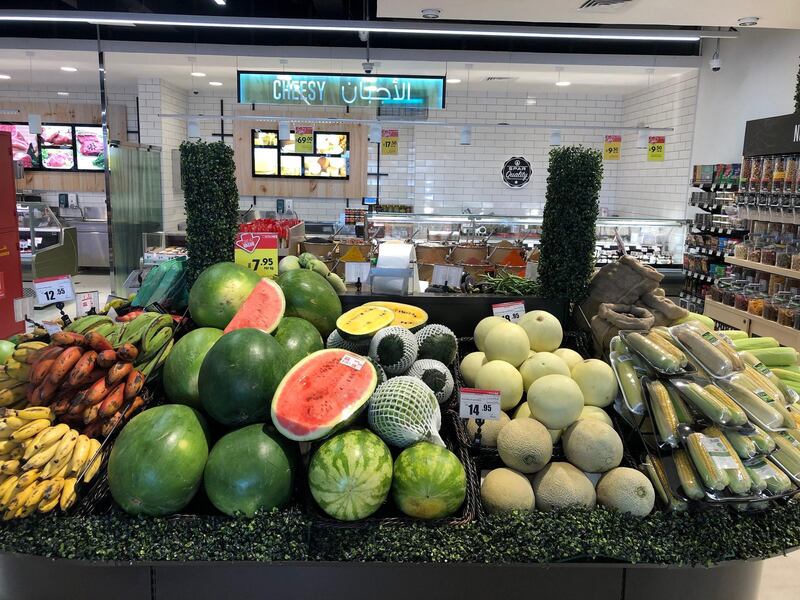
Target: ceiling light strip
[[402, 27]]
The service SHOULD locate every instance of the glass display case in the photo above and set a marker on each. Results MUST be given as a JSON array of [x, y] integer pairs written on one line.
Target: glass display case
[[160, 246], [47, 246], [654, 241]]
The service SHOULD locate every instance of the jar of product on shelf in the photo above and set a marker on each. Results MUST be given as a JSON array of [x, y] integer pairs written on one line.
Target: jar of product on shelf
[[744, 173], [742, 249], [754, 184], [787, 312], [762, 279], [759, 228], [778, 174], [768, 254], [771, 305], [740, 302], [790, 179], [767, 165], [754, 253], [796, 262], [783, 257], [755, 299], [776, 283], [715, 291], [730, 293]]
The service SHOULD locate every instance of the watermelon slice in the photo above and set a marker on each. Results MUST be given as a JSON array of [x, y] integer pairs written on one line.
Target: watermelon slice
[[263, 309], [322, 393]]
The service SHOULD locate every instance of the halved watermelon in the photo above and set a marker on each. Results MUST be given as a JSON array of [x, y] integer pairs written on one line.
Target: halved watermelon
[[262, 310], [405, 315], [322, 393]]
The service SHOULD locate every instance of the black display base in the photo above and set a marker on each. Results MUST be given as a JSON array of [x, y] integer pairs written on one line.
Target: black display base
[[34, 578]]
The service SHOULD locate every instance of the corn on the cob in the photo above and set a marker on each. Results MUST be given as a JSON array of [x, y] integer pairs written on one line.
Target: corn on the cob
[[738, 416], [744, 446], [763, 442], [663, 413], [759, 343], [681, 410], [707, 404], [655, 471], [787, 452], [759, 411], [776, 357], [713, 477], [775, 480], [738, 480], [689, 482]]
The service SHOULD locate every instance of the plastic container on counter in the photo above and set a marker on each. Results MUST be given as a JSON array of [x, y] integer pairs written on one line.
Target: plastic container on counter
[[776, 284], [786, 312], [768, 254], [773, 304], [742, 249], [754, 184], [755, 299], [783, 255], [778, 174], [740, 299], [759, 228], [744, 173], [767, 169], [754, 254], [729, 291], [717, 291], [790, 178], [795, 262]]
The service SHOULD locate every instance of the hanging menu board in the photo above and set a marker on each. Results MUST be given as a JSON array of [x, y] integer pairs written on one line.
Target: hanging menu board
[[59, 147]]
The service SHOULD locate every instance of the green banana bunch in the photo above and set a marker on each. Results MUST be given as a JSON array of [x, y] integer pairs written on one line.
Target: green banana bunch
[[134, 330], [88, 323], [157, 361]]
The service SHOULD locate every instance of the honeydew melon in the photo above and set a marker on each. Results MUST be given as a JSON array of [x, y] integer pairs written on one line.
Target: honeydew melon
[[501, 376], [470, 365], [543, 329], [597, 382], [489, 430], [541, 364], [484, 327], [569, 356], [507, 342], [555, 400]]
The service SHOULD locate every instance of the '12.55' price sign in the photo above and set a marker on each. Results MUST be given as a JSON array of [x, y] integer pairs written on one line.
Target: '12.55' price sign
[[479, 404], [53, 289], [257, 251]]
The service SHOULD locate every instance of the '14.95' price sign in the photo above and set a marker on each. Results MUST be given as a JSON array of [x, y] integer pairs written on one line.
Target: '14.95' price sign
[[479, 404], [257, 251]]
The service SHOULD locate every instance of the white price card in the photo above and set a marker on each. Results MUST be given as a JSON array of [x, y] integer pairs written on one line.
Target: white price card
[[354, 362], [53, 289], [355, 271], [510, 311], [443, 274], [87, 301], [51, 327], [479, 404]]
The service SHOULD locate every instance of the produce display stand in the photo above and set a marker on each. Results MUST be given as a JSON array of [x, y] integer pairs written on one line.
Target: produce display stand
[[291, 554]]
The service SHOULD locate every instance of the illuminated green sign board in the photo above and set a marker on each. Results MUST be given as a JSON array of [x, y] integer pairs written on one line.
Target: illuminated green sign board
[[308, 89]]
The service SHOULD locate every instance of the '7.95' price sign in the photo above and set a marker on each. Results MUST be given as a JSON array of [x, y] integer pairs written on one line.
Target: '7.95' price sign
[[257, 251]]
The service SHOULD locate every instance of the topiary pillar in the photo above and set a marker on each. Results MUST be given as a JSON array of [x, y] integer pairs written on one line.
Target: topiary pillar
[[570, 215], [212, 204]]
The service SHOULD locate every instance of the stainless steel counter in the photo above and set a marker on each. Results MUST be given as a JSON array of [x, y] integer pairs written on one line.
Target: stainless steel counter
[[92, 242]]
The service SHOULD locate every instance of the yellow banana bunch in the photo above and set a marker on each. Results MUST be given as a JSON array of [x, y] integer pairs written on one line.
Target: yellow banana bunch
[[13, 395]]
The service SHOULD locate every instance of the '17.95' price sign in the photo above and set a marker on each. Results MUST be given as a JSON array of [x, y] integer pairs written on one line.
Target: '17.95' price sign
[[257, 251], [479, 404]]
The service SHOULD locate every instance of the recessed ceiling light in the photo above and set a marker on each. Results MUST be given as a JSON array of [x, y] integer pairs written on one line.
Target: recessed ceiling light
[[215, 83], [63, 93], [69, 69], [5, 76], [430, 13], [563, 83], [454, 80], [197, 74], [220, 2], [748, 21]]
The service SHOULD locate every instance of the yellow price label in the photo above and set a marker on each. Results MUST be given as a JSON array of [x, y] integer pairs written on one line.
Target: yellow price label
[[257, 251], [389, 141], [304, 140], [612, 147], [656, 147]]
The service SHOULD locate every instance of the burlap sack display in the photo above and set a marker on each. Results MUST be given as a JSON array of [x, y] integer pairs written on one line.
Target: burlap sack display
[[622, 282], [611, 318], [664, 310]]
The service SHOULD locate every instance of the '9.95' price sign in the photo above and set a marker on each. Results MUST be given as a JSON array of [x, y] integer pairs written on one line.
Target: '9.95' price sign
[[479, 404], [257, 251]]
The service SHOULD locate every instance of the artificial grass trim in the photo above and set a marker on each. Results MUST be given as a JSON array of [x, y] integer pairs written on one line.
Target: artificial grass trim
[[600, 535]]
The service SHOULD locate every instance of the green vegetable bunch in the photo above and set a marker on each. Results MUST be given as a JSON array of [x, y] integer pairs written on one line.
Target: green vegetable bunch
[[212, 204], [570, 216], [511, 285]]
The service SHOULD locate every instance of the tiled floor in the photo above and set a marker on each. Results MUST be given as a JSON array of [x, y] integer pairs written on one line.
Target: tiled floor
[[780, 578]]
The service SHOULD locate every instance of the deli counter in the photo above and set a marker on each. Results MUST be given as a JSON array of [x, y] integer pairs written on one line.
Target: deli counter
[[47, 246]]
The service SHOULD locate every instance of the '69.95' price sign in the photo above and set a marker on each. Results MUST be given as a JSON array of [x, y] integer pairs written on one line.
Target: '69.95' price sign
[[257, 251]]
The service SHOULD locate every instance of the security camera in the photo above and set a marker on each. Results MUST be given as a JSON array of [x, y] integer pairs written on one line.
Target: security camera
[[363, 36], [368, 67], [715, 63], [195, 92]]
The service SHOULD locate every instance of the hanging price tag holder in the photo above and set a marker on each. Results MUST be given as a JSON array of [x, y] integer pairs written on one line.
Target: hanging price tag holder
[[257, 251], [53, 289], [510, 311], [446, 275], [86, 301], [479, 404]]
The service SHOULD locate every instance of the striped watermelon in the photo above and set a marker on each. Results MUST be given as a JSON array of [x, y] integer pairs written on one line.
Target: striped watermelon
[[350, 475], [429, 481]]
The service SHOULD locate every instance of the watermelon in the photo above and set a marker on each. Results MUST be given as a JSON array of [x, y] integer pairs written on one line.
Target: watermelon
[[435, 375], [262, 310], [299, 338], [157, 462], [322, 393], [429, 481], [219, 292], [310, 297], [394, 348], [350, 475], [438, 343], [182, 367], [239, 375], [249, 469]]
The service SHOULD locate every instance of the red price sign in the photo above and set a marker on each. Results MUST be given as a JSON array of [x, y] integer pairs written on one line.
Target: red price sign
[[257, 251]]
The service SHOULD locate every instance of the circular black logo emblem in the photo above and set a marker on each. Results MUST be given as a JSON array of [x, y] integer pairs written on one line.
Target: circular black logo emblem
[[516, 172]]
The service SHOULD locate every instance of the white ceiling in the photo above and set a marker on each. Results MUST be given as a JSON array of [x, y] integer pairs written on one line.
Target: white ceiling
[[123, 70], [779, 14]]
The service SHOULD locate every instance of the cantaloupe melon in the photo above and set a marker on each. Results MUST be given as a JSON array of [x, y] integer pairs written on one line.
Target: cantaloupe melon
[[484, 327], [524, 412], [469, 366], [525, 445], [489, 430], [503, 490], [597, 382], [541, 364], [595, 412], [507, 342], [555, 434], [626, 490], [592, 446], [555, 400], [569, 356], [501, 376], [559, 485], [543, 329]]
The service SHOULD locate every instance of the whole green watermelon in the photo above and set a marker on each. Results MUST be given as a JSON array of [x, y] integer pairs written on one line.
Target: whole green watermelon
[[250, 469], [157, 462], [182, 367], [299, 338], [429, 481], [219, 292], [350, 475], [310, 297], [239, 376]]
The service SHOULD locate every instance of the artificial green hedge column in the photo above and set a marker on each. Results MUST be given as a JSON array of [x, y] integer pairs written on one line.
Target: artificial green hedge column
[[212, 204], [568, 228]]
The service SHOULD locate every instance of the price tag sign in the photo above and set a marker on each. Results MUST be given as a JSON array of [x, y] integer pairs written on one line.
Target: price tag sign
[[304, 140], [510, 311], [389, 141], [50, 327], [257, 251], [656, 145], [354, 362], [53, 289], [443, 274], [479, 404], [612, 147], [355, 271], [87, 301]]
